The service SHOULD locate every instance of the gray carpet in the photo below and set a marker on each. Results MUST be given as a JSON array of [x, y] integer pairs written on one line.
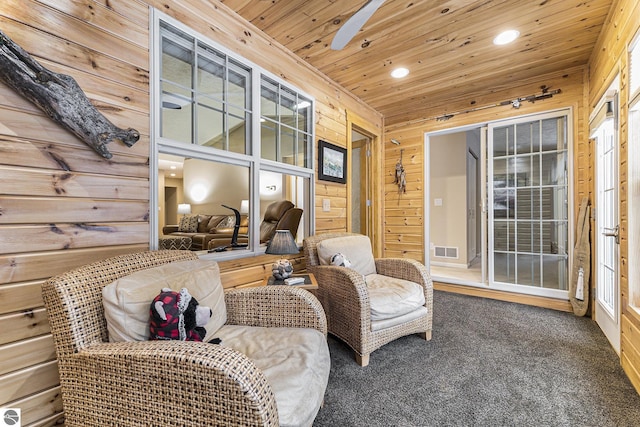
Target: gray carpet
[[489, 363]]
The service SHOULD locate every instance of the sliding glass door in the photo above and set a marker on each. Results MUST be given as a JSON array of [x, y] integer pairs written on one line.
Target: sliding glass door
[[528, 205]]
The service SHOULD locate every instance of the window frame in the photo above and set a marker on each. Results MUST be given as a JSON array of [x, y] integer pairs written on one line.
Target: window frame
[[252, 158]]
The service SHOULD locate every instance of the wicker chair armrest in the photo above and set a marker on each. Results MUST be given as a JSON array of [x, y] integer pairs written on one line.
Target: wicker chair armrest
[[275, 306], [140, 380], [349, 297], [407, 269]]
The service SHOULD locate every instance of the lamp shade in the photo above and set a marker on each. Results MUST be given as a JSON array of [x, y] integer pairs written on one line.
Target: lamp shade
[[282, 243], [244, 206], [184, 208]]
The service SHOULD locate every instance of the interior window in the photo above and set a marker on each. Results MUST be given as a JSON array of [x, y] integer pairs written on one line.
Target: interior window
[[285, 122], [276, 187], [210, 191], [205, 95], [209, 161]]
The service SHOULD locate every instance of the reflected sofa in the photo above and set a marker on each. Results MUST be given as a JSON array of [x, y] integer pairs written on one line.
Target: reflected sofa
[[203, 228]]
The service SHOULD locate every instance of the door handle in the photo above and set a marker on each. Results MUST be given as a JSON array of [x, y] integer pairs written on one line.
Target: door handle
[[612, 232]]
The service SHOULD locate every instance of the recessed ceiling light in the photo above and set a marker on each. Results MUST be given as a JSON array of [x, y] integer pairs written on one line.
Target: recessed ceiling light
[[506, 37], [399, 73]]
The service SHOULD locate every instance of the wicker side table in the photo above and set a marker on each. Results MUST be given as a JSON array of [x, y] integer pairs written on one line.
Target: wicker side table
[[180, 243]]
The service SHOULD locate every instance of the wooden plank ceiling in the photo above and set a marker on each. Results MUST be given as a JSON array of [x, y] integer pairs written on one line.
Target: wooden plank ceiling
[[446, 45]]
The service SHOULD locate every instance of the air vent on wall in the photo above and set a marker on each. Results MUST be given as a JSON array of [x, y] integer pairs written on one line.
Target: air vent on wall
[[445, 252]]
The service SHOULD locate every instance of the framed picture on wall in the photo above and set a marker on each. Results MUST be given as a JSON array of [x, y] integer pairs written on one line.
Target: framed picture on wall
[[332, 161]]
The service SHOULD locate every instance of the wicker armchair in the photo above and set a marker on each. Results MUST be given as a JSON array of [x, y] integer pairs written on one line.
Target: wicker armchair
[[345, 297], [163, 382]]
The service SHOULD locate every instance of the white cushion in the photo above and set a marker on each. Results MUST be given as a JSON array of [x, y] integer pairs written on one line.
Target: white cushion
[[127, 300], [356, 248], [400, 320], [296, 362], [390, 297]]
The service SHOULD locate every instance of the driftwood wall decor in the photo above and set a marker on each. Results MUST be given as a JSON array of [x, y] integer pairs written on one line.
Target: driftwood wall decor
[[60, 97]]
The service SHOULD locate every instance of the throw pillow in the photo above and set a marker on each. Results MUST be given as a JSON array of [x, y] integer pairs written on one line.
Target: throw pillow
[[356, 249], [228, 222], [127, 300], [188, 224]]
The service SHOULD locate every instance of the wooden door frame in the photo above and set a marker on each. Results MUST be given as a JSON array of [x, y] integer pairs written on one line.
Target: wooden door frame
[[377, 200]]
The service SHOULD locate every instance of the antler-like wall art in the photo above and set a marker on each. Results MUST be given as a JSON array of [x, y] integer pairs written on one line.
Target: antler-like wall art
[[60, 97]]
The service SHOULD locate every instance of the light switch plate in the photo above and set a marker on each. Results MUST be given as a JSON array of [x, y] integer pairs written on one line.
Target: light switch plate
[[326, 205]]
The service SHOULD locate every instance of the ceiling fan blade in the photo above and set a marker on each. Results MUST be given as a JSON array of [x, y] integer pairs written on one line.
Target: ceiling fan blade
[[353, 24]]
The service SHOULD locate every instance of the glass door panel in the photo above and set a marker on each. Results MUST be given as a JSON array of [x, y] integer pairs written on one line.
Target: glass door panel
[[528, 215]]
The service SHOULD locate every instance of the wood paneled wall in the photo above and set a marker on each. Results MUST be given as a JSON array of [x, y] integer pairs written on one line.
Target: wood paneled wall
[[609, 58], [404, 212], [62, 205]]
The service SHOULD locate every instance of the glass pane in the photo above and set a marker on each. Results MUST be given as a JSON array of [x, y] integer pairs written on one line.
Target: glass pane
[[524, 132], [177, 63], [304, 150], [269, 99], [535, 170], [555, 272], [504, 267], [554, 238], [500, 173], [553, 134], [211, 123], [504, 203], [523, 168], [275, 187], [554, 203], [238, 130], [287, 146], [176, 118], [503, 239], [528, 203], [554, 168], [287, 107], [528, 236], [529, 269], [304, 109], [205, 186], [237, 89], [502, 145], [268, 139], [210, 78]]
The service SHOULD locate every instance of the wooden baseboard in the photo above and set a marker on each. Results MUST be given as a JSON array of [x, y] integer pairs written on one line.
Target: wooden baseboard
[[552, 303]]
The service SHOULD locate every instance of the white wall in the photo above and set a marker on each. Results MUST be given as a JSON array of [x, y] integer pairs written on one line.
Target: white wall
[[448, 222], [208, 185]]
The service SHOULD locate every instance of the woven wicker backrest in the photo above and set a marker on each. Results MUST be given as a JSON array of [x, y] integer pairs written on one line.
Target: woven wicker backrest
[[309, 246], [74, 299]]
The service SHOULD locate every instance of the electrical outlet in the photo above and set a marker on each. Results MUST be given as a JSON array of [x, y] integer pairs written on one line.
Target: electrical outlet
[[326, 205]]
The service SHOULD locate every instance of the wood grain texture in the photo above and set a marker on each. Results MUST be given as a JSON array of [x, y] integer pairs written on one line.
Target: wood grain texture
[[19, 384], [104, 45], [24, 324], [609, 58], [40, 407], [62, 207], [447, 46]]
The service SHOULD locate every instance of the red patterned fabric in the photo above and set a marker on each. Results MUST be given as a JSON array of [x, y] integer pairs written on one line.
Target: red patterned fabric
[[173, 328]]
